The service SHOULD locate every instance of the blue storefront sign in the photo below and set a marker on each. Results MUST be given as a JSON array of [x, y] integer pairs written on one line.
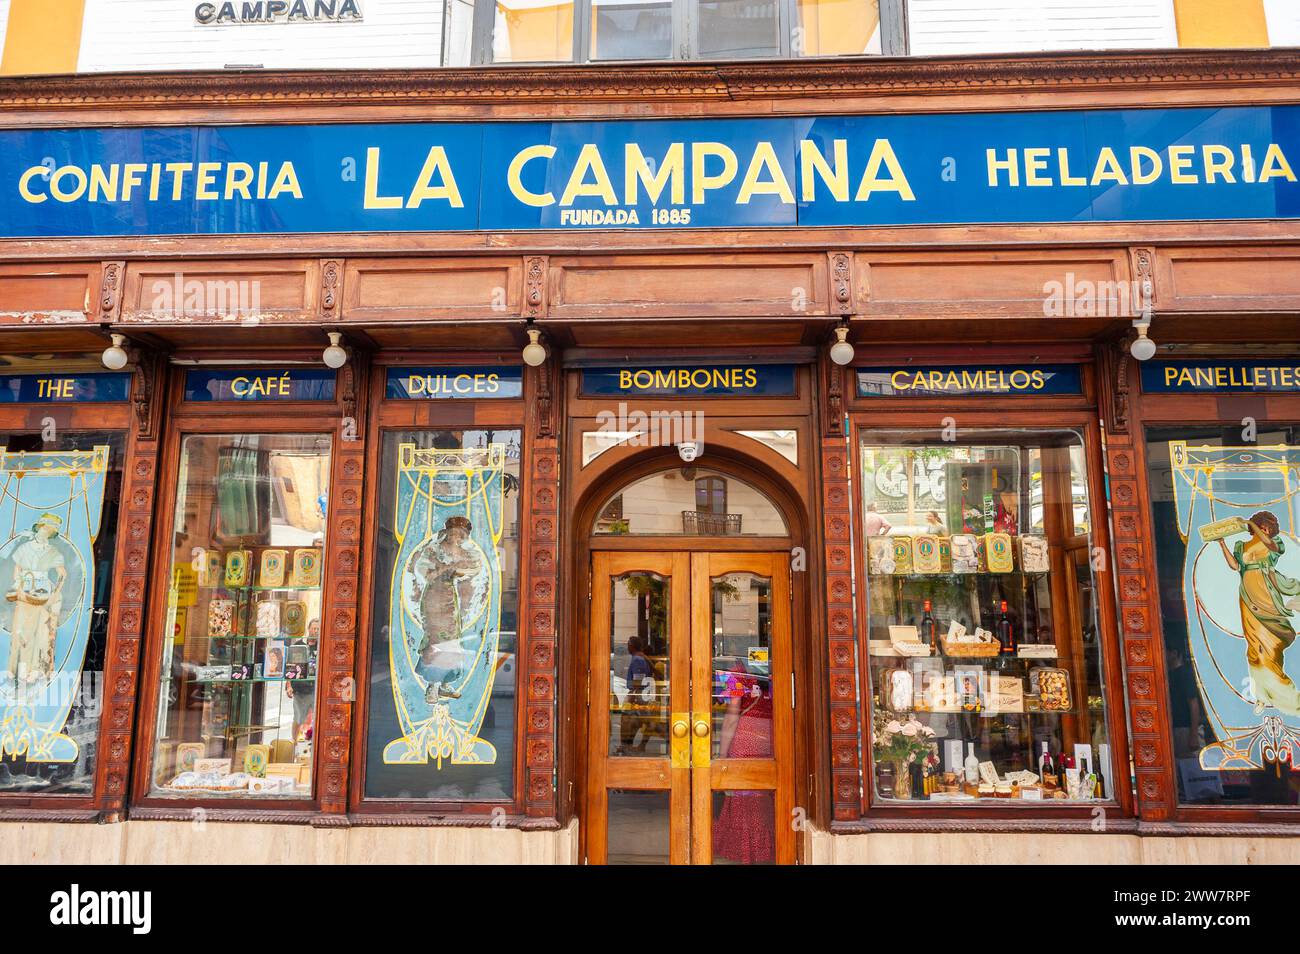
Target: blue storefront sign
[[723, 380], [947, 381], [454, 382], [1066, 166], [271, 384], [1190, 377], [64, 388]]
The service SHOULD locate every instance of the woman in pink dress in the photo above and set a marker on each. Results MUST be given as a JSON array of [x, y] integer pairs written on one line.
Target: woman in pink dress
[[744, 831]]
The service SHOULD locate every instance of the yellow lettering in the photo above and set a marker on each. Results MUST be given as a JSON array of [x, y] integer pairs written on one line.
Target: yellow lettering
[[637, 169], [513, 175]]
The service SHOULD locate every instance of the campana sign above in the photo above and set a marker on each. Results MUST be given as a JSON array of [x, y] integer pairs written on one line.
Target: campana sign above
[[762, 380], [278, 11], [271, 384], [455, 382], [912, 381], [63, 388], [1076, 166], [1182, 377]]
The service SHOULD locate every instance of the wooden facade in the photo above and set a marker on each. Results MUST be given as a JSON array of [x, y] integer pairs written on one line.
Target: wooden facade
[[933, 293]]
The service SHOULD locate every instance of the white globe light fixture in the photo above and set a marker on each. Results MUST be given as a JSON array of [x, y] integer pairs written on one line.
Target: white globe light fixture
[[335, 355], [115, 356], [1142, 348], [534, 352], [841, 350]]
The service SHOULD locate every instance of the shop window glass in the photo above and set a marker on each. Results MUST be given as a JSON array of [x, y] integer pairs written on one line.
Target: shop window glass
[[837, 27], [444, 642], [58, 521], [1226, 519], [533, 31], [237, 703], [631, 29], [734, 29], [984, 646], [693, 502]]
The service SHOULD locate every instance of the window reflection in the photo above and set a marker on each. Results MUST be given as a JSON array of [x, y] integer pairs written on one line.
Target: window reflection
[[741, 608], [238, 698], [533, 31], [631, 29], [736, 29], [639, 666], [690, 501], [837, 27]]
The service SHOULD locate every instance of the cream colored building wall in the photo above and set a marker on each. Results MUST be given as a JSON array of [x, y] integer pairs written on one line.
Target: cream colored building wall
[[149, 842]]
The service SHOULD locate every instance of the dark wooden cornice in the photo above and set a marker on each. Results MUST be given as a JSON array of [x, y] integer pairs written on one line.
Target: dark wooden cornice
[[857, 77]]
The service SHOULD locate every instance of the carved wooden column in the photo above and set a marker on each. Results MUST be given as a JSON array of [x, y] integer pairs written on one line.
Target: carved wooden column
[[130, 589], [540, 611], [1136, 580], [336, 665], [846, 774]]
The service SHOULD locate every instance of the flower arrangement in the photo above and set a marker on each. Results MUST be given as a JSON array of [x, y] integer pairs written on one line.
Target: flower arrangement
[[908, 742]]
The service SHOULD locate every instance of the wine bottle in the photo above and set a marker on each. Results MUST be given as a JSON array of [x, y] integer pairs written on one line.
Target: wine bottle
[[972, 767], [1006, 633], [1045, 764], [928, 627]]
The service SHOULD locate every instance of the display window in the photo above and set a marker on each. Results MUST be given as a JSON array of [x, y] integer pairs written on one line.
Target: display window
[[238, 675], [59, 496], [444, 621], [1225, 515], [985, 662]]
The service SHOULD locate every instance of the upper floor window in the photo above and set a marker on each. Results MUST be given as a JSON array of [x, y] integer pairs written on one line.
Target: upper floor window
[[582, 31]]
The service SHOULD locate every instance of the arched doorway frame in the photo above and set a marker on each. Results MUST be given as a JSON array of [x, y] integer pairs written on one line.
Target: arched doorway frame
[[743, 459]]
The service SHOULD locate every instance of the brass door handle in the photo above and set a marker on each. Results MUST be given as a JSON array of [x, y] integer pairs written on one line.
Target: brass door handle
[[680, 729], [702, 729]]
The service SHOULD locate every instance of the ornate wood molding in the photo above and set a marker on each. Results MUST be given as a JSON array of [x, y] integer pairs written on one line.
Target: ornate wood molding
[[110, 291], [127, 611], [1159, 69], [1139, 615], [331, 288], [846, 774], [536, 275], [336, 678], [541, 586]]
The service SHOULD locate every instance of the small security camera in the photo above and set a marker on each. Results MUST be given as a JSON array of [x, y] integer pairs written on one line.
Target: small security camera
[[689, 450]]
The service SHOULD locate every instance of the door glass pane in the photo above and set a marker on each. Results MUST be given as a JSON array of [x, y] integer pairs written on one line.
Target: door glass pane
[[744, 828], [445, 645], [639, 697], [742, 666], [533, 31], [238, 697], [631, 29], [58, 530], [738, 28], [639, 828]]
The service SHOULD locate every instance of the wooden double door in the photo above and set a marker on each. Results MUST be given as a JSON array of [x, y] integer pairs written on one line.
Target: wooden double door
[[690, 713]]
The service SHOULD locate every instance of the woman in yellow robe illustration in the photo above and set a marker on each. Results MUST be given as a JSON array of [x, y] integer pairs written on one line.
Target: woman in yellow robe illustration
[[1268, 601], [37, 595]]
